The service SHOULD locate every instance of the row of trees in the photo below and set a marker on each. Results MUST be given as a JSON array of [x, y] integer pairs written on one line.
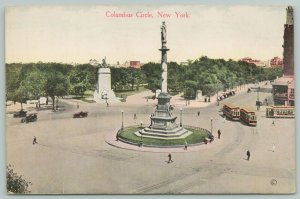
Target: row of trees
[[34, 80], [208, 75]]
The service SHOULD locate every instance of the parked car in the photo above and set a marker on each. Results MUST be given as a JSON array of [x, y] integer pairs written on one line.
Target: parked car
[[30, 118], [20, 113], [80, 114]]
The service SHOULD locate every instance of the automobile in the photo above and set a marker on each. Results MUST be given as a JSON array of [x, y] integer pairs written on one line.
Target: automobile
[[20, 113], [80, 114], [30, 118]]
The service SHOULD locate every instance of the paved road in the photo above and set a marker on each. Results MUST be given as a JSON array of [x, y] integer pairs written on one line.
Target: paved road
[[72, 157]]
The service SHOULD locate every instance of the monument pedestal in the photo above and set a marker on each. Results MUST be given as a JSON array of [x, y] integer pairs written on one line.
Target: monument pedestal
[[104, 94], [163, 125]]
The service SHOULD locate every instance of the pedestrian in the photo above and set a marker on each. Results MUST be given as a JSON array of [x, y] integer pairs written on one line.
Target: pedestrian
[[219, 134], [248, 155], [107, 105], [134, 116], [185, 146], [198, 113], [34, 141], [273, 148], [170, 158], [77, 106], [273, 122], [224, 119]]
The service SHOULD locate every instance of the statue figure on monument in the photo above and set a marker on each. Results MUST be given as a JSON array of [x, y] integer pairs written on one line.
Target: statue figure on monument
[[104, 64], [163, 32]]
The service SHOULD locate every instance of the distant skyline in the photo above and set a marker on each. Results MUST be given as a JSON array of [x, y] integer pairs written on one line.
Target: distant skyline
[[79, 33]]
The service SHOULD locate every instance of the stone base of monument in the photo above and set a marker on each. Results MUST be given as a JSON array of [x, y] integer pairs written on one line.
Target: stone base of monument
[[108, 97], [177, 133]]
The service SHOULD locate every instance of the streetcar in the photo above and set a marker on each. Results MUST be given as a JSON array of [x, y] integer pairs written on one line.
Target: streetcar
[[280, 112], [248, 117], [231, 112]]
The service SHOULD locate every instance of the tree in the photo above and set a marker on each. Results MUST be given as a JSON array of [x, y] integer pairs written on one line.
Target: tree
[[152, 73], [56, 84], [134, 77], [21, 95], [190, 88], [15, 183], [82, 78], [13, 73], [34, 84]]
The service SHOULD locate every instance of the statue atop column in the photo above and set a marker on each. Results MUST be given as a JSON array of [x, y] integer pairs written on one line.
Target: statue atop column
[[163, 32]]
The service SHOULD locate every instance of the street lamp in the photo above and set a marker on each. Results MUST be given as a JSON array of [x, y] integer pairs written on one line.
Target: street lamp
[[211, 123], [257, 101], [180, 117], [122, 119]]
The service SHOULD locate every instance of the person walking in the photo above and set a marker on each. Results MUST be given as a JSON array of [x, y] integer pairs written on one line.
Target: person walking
[[273, 122], [248, 155], [198, 113], [219, 134], [170, 158], [273, 148], [34, 141]]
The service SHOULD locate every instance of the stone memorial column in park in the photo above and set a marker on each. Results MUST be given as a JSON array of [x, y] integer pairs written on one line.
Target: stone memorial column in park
[[163, 124]]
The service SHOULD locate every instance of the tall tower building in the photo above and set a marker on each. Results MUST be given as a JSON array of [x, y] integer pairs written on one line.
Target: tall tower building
[[284, 87], [288, 44]]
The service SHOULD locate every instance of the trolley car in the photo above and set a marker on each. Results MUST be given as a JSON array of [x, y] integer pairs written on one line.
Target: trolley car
[[248, 117], [280, 112], [231, 112]]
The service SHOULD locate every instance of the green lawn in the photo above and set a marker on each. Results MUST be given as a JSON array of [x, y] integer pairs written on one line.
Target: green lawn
[[197, 136]]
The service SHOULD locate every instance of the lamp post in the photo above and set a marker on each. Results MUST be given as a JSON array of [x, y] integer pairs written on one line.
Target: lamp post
[[257, 101], [141, 142], [180, 117], [211, 123], [122, 126]]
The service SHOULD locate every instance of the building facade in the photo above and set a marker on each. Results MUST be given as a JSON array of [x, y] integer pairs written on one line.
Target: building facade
[[276, 62], [284, 87]]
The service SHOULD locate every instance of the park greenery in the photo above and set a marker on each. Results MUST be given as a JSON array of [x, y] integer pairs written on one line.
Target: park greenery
[[30, 81]]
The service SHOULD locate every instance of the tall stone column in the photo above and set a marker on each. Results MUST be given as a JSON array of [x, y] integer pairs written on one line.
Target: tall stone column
[[164, 65]]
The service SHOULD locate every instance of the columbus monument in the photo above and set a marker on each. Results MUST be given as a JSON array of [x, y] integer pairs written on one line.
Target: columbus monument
[[163, 125]]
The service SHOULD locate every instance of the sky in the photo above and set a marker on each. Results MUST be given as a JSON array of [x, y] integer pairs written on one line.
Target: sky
[[76, 34]]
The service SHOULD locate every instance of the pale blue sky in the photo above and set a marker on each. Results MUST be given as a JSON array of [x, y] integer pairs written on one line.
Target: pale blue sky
[[80, 33]]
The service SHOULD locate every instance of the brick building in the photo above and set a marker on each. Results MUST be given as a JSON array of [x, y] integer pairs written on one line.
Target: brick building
[[276, 62]]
